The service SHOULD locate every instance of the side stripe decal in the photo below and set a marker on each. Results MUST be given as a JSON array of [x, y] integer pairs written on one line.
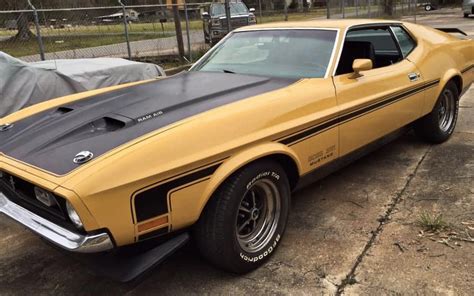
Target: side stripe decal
[[467, 69], [154, 201], [154, 233], [390, 99]]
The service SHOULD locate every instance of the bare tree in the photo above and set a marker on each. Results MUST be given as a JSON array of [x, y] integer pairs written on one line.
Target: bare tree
[[388, 7], [22, 19]]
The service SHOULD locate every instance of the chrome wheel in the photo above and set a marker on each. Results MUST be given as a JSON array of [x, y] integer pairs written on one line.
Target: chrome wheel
[[447, 110], [258, 216]]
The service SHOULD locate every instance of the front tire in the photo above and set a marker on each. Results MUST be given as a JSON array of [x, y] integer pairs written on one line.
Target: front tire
[[466, 15], [244, 221], [428, 7], [438, 126]]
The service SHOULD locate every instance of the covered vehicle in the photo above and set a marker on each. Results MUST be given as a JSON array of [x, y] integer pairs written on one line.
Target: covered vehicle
[[24, 84], [216, 152]]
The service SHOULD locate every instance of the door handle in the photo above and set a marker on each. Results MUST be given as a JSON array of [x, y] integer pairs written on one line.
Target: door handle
[[413, 76]]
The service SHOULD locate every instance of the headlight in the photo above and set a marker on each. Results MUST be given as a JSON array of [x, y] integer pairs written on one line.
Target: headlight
[[216, 22], [45, 197], [73, 215]]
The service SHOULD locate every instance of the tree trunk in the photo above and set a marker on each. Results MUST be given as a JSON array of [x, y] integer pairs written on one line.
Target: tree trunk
[[179, 31], [389, 7], [24, 32]]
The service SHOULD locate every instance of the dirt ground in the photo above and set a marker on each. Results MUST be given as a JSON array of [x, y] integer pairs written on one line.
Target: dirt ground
[[354, 232]]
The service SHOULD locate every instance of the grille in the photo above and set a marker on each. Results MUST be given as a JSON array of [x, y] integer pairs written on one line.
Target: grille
[[236, 22], [23, 193]]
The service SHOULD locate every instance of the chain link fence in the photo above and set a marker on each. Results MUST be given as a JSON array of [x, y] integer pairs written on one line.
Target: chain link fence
[[133, 32], [149, 32]]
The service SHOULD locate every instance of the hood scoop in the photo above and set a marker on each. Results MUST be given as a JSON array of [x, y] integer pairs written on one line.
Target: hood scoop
[[96, 128], [63, 110]]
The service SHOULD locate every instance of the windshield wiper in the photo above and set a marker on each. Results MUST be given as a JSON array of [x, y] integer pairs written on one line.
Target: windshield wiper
[[228, 71]]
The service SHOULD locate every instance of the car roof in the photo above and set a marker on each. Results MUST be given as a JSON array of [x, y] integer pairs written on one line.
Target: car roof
[[330, 24]]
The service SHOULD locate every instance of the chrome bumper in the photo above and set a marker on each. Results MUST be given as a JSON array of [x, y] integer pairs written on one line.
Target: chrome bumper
[[58, 235]]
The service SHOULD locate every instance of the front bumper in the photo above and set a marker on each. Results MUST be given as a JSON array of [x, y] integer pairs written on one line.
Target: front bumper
[[54, 233]]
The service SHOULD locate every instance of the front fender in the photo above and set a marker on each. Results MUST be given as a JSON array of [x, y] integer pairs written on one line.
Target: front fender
[[240, 160], [189, 202]]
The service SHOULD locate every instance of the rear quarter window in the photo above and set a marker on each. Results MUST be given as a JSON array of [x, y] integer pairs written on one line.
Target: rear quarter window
[[404, 40]]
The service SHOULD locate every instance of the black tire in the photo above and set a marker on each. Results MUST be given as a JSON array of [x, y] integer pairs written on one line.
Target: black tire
[[217, 235], [428, 7], [439, 124], [466, 15]]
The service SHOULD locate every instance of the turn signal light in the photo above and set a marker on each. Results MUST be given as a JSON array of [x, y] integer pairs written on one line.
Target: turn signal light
[[153, 223]]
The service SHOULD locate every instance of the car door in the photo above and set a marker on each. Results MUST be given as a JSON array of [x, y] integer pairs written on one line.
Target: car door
[[382, 99]]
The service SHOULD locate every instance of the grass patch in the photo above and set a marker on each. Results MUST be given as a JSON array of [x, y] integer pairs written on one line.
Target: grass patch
[[299, 16], [109, 28], [172, 61], [432, 222], [60, 43]]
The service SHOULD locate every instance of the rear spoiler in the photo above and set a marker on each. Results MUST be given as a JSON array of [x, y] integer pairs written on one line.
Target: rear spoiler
[[452, 30]]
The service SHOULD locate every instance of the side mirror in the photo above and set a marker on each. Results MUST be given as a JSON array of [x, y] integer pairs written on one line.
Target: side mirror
[[205, 15], [252, 10], [360, 65]]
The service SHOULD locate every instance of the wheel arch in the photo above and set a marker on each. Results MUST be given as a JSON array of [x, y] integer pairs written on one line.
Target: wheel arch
[[280, 153], [451, 75], [459, 83]]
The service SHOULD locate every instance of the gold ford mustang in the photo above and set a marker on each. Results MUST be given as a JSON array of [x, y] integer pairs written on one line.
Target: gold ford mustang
[[216, 151]]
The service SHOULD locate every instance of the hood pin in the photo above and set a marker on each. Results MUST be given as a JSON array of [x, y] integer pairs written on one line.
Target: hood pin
[[83, 157]]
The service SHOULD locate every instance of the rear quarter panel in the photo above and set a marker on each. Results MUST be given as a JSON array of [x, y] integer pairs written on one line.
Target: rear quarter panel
[[439, 55]]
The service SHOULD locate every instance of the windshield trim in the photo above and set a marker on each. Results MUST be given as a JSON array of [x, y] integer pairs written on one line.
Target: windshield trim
[[330, 63]]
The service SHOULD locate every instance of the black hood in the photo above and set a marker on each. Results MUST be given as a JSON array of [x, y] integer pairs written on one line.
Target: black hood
[[51, 139]]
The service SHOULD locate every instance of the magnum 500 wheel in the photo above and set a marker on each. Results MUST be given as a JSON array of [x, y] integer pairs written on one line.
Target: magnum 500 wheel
[[245, 220], [438, 126]]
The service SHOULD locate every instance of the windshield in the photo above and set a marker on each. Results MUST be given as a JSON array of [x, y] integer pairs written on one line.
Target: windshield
[[235, 9], [273, 53]]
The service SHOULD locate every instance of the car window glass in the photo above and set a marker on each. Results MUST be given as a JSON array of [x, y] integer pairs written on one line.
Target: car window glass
[[274, 53], [381, 39], [404, 40], [218, 9], [376, 44]]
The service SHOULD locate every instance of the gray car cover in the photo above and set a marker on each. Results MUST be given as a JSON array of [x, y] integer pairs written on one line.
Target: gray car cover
[[24, 84]]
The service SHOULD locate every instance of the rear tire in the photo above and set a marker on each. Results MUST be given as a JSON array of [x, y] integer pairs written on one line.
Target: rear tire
[[439, 124], [428, 7], [466, 15], [244, 221]]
